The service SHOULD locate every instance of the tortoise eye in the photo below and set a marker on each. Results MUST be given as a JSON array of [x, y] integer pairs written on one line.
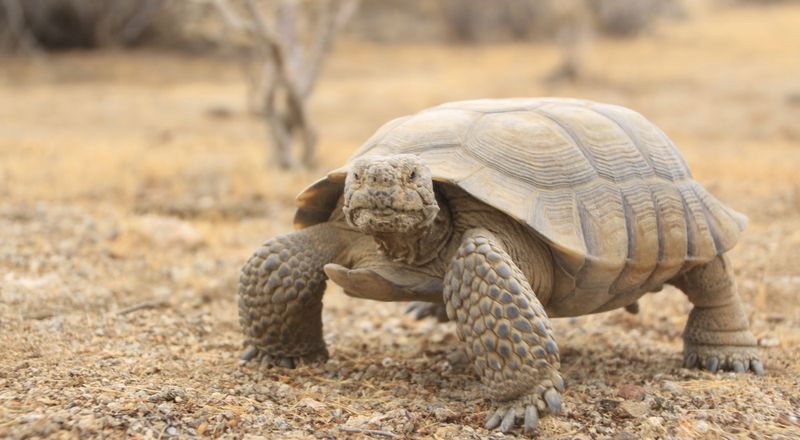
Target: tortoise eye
[[356, 176], [412, 176]]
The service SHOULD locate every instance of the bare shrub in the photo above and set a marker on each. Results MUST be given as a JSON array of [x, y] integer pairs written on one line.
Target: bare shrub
[[289, 41], [630, 17], [64, 24]]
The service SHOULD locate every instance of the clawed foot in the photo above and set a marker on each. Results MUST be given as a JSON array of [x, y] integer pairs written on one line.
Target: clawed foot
[[723, 358], [272, 360], [420, 310], [527, 409]]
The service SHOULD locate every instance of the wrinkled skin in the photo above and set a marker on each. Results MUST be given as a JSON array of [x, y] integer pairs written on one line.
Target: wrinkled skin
[[389, 196]]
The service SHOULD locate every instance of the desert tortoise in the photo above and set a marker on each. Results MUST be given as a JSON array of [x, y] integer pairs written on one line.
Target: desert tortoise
[[508, 212]]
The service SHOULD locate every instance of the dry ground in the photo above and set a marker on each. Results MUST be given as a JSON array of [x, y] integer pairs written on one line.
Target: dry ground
[[133, 187]]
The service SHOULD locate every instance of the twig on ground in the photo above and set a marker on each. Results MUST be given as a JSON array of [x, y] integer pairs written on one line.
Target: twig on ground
[[368, 431], [151, 304]]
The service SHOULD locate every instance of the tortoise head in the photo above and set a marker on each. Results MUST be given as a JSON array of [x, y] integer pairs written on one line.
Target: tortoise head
[[389, 194]]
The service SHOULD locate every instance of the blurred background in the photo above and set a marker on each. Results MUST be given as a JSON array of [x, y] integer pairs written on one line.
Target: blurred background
[[148, 146]]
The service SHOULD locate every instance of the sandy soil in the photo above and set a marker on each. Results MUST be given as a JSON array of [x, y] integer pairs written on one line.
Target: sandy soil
[[133, 186]]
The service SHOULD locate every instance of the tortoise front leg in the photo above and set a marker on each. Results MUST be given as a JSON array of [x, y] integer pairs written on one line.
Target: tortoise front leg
[[280, 297], [506, 331]]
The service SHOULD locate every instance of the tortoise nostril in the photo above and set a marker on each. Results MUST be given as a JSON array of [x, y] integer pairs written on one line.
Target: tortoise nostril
[[380, 179]]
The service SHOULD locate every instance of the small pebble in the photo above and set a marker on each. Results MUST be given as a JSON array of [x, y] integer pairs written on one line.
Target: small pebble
[[632, 409], [769, 342], [671, 387], [631, 392]]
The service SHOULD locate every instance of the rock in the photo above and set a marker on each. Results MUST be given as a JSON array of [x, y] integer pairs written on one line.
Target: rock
[[663, 404], [769, 342], [441, 413], [311, 404], [457, 357], [631, 392], [281, 424], [604, 430], [631, 409], [608, 404], [371, 371], [88, 424], [285, 391], [671, 387], [168, 394], [787, 420]]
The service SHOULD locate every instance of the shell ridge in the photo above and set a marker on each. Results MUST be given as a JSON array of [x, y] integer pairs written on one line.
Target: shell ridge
[[567, 130], [725, 224], [661, 238], [688, 221], [588, 242], [626, 207], [472, 127], [629, 133], [675, 152], [718, 248]]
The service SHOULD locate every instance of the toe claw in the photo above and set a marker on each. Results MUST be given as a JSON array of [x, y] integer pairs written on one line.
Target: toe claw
[[494, 421], [249, 354], [286, 363], [712, 364], [757, 367], [508, 421], [553, 400], [738, 367], [416, 312], [531, 419], [559, 383], [421, 310], [691, 360]]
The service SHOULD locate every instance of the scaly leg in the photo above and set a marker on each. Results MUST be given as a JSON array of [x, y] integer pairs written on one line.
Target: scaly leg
[[717, 334], [280, 297], [506, 330]]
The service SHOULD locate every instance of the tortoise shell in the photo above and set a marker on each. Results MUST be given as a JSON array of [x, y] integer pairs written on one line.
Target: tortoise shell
[[603, 186]]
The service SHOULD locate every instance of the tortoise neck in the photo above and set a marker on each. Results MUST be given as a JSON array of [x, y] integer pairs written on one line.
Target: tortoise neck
[[419, 247]]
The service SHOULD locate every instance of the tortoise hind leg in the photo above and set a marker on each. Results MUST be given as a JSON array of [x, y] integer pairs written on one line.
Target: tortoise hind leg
[[420, 310], [717, 334]]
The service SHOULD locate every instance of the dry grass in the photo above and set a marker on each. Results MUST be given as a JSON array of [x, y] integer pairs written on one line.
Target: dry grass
[[100, 152]]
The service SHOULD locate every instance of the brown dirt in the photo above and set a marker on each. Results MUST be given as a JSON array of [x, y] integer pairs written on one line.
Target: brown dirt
[[133, 187]]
